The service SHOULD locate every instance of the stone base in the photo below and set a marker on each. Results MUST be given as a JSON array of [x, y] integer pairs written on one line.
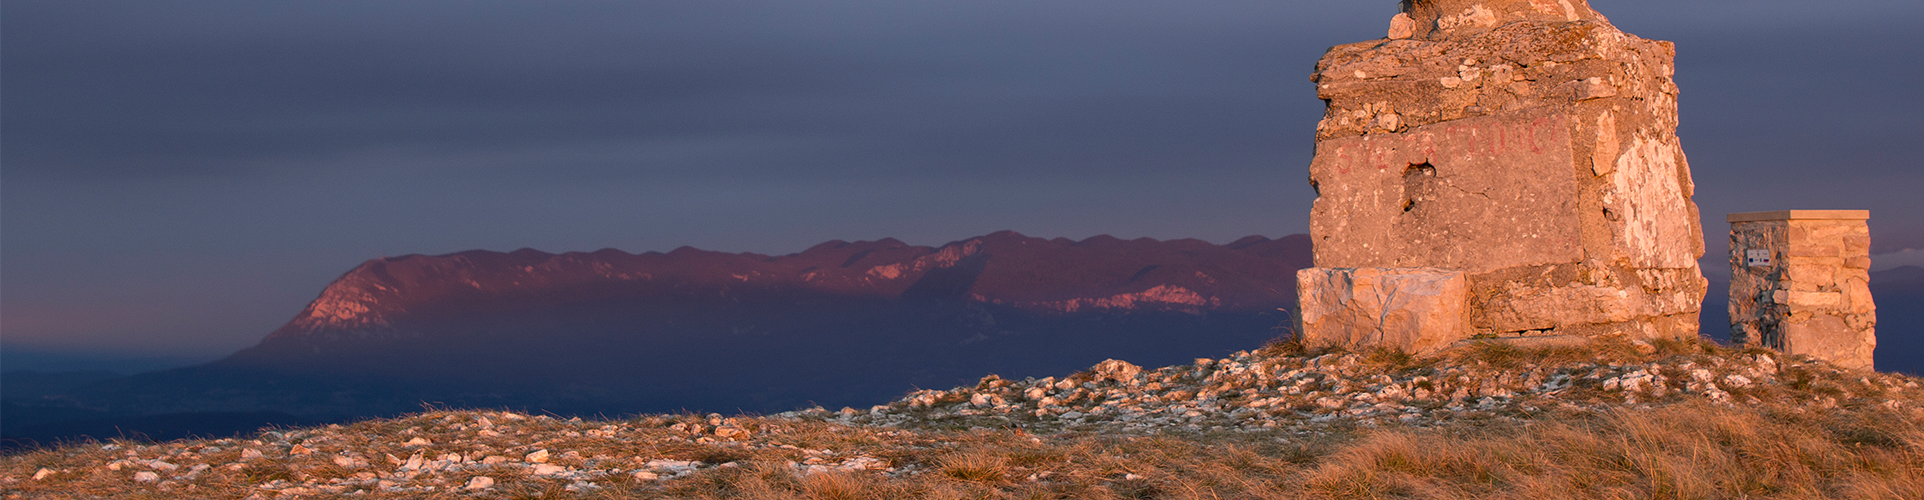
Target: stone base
[[1828, 337], [1415, 310], [1544, 342]]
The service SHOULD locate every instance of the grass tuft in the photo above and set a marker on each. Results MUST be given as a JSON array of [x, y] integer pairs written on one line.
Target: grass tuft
[[975, 465]]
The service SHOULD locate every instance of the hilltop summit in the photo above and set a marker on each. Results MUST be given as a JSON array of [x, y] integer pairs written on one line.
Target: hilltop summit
[[1614, 419]]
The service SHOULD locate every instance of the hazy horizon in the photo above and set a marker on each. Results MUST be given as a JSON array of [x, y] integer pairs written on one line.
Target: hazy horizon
[[181, 178]]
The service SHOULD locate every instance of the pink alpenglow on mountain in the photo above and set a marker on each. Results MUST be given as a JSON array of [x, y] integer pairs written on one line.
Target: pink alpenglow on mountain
[[841, 323]]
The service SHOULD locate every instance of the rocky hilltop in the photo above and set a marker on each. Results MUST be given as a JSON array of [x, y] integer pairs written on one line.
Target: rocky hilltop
[[1614, 419]]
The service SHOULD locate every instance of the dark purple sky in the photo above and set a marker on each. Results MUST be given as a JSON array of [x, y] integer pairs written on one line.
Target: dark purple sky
[[181, 177]]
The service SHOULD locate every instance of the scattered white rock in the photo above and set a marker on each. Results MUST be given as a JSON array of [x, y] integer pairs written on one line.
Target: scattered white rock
[[731, 431], [480, 483]]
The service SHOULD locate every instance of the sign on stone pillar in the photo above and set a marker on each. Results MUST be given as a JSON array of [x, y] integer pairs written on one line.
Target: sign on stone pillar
[[1528, 144], [1800, 284]]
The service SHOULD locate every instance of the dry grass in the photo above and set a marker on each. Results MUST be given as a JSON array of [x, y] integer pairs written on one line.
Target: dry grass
[[1689, 451], [1676, 452], [1603, 350]]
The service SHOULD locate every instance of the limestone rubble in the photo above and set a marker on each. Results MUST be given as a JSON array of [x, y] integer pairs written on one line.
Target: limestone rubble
[[1266, 391], [1527, 143], [1260, 395]]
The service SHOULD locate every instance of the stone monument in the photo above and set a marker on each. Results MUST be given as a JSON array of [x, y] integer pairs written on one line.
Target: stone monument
[[1800, 284], [1528, 145]]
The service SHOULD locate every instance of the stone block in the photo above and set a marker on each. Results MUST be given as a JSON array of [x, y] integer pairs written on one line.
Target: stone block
[[1476, 194], [1416, 310], [1815, 249], [1857, 297], [1855, 243], [1815, 299], [1830, 338], [1814, 275]]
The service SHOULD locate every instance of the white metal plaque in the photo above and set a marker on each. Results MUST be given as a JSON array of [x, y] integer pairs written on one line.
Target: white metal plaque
[[1757, 258]]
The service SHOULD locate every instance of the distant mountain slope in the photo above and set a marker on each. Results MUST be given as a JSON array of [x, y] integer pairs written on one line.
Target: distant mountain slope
[[837, 324], [1900, 319], [406, 296]]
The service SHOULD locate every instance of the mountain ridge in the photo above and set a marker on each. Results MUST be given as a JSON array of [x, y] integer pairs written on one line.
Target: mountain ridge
[[366, 301], [838, 323]]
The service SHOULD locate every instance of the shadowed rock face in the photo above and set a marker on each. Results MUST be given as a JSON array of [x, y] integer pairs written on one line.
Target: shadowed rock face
[[840, 323], [1529, 144]]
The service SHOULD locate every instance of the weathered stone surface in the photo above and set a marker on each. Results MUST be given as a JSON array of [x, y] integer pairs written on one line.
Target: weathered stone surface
[[1118, 371], [1402, 27], [1800, 284], [1416, 310], [1415, 199], [1527, 143]]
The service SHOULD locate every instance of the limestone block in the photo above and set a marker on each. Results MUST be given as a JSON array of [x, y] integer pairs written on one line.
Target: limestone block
[[1832, 339], [1813, 275], [1402, 27], [1857, 297], [1646, 194], [1815, 299], [1816, 249], [1476, 194], [1518, 305], [1416, 310], [1856, 243]]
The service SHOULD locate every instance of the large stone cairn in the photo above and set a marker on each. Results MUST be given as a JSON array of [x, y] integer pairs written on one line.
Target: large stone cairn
[[1527, 144]]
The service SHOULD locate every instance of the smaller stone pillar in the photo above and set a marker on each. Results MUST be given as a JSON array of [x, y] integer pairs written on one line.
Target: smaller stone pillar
[[1800, 284]]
